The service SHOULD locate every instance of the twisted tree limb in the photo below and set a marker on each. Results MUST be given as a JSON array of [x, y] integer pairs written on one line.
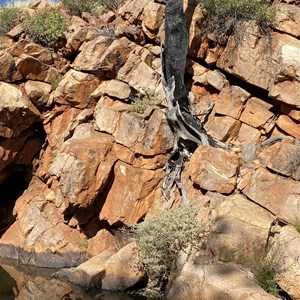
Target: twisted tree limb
[[187, 128]]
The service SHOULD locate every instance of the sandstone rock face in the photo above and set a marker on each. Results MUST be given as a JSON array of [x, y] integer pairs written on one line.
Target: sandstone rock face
[[103, 56], [82, 174], [277, 194], [32, 68], [214, 169], [93, 165], [277, 62], [39, 236], [283, 158], [131, 185], [285, 248], [9, 71], [109, 270], [16, 112], [215, 281], [75, 89], [236, 234]]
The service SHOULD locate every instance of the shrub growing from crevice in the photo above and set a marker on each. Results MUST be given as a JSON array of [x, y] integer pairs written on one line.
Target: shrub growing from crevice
[[47, 28], [225, 17], [9, 17], [148, 98], [94, 7], [264, 266], [160, 239]]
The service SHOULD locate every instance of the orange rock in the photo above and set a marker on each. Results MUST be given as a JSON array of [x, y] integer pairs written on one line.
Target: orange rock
[[214, 169], [248, 133], [279, 195], [256, 113], [131, 194], [75, 89], [223, 128], [288, 126]]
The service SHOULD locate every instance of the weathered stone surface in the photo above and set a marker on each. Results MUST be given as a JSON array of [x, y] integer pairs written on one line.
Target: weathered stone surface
[[41, 53], [37, 89], [285, 85], [215, 281], [152, 19], [138, 70], [269, 64], [217, 80], [149, 137], [131, 194], [103, 56], [83, 167], [39, 236], [9, 72], [283, 158], [75, 89], [287, 125], [213, 169], [236, 233], [287, 17], [75, 37], [132, 10], [118, 89], [248, 133], [230, 101], [278, 194], [34, 69], [223, 128], [102, 241], [108, 270], [256, 113], [88, 58], [107, 115], [285, 248], [16, 112]]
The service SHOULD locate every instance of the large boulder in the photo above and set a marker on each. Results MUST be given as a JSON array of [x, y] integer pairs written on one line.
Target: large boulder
[[236, 234], [278, 194], [215, 281], [108, 270]]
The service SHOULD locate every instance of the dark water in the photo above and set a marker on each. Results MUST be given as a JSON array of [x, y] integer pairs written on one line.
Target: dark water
[[29, 283]]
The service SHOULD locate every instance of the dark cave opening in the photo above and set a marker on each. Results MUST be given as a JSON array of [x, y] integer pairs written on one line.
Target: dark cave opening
[[19, 176]]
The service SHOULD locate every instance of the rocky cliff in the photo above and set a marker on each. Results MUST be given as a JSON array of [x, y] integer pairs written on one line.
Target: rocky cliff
[[78, 163]]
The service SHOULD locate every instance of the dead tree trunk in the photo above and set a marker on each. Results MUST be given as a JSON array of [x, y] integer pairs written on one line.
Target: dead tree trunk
[[187, 129]]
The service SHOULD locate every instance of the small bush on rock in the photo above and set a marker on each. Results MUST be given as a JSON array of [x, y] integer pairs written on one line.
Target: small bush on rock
[[146, 99], [94, 7], [225, 16], [161, 237], [47, 27], [9, 17]]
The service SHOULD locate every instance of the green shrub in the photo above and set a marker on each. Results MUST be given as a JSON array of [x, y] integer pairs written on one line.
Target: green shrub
[[144, 100], [9, 17], [47, 27], [296, 224], [225, 16], [161, 237], [264, 269], [94, 7]]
